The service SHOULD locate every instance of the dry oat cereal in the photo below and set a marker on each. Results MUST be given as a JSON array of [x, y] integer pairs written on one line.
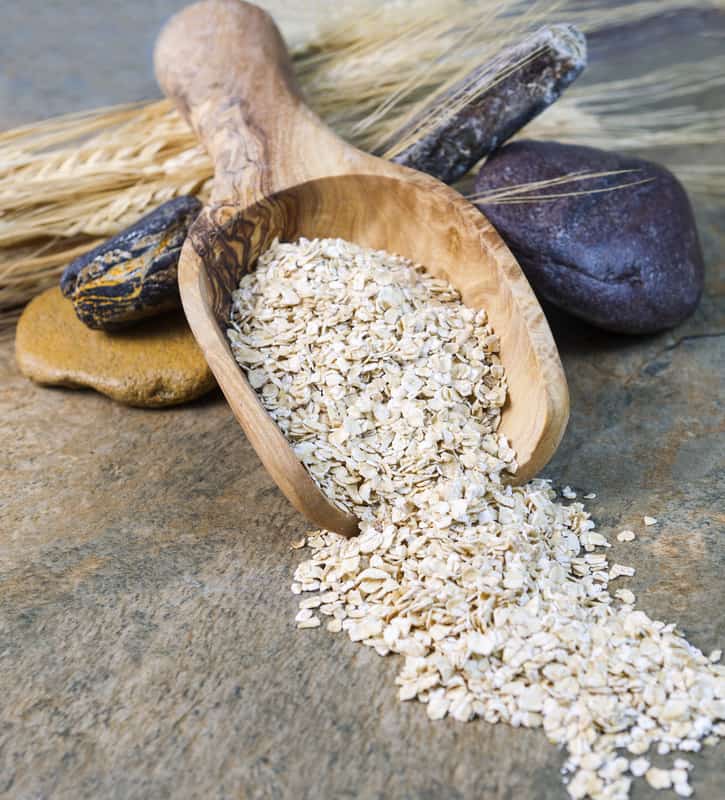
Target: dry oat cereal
[[390, 392]]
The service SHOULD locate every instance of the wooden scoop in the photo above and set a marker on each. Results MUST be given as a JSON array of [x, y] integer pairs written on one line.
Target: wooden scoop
[[280, 172]]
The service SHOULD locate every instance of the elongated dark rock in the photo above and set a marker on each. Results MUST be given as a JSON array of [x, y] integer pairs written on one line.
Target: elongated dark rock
[[132, 275], [496, 100], [624, 259]]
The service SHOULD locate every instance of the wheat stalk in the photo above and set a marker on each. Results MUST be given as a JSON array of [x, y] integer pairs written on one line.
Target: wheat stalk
[[530, 191]]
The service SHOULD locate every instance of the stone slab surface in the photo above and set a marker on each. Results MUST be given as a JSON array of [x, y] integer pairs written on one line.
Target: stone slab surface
[[147, 642]]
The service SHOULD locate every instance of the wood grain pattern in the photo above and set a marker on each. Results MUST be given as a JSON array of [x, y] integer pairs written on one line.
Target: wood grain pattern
[[280, 172]]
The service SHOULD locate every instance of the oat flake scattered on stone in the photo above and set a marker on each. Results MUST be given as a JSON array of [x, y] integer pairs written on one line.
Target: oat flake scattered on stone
[[497, 597], [658, 778]]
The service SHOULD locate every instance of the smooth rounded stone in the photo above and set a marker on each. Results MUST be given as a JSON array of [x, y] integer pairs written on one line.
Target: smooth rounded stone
[[156, 363], [134, 274], [627, 260]]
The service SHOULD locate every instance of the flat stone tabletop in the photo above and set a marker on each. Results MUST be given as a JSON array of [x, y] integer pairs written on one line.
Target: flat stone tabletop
[[147, 639]]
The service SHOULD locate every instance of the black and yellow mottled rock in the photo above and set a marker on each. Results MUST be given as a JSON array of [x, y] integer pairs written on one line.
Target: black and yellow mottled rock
[[156, 363], [132, 275]]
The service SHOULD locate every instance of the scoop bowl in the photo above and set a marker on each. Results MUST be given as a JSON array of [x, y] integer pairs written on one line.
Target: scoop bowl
[[280, 173]]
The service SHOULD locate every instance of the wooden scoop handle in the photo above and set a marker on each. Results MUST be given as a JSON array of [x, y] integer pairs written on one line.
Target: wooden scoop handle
[[226, 67]]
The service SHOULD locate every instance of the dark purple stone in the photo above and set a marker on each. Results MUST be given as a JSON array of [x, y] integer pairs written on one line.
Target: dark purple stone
[[627, 260]]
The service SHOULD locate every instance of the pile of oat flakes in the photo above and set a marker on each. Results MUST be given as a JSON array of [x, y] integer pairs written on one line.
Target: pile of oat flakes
[[390, 391]]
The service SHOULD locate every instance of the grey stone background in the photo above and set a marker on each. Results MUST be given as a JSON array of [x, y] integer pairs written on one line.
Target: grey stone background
[[147, 642], [68, 55]]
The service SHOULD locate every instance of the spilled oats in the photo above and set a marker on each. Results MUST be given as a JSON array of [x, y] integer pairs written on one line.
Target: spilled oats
[[496, 596]]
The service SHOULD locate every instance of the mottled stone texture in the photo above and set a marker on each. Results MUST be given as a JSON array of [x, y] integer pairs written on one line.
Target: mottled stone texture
[[133, 275], [625, 259], [147, 642]]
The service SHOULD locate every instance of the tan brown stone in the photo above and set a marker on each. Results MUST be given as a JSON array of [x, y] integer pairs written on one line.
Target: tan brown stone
[[156, 363]]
